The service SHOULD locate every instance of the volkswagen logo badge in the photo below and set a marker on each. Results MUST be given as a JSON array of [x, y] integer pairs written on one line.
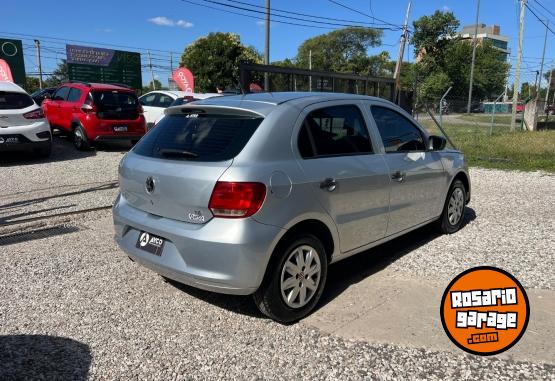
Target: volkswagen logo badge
[[149, 185]]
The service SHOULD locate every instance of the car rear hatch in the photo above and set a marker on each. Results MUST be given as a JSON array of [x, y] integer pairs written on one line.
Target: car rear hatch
[[172, 171], [13, 106], [116, 104]]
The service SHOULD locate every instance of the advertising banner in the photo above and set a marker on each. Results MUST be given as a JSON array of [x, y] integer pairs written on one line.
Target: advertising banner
[[184, 79], [90, 64], [5, 72]]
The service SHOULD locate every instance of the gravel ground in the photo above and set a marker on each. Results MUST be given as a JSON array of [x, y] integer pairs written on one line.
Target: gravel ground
[[511, 220], [72, 306]]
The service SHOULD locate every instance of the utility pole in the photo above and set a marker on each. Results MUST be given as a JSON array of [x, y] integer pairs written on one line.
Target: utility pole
[[151, 72], [310, 68], [539, 84], [37, 44], [404, 37], [171, 63], [516, 84], [267, 47], [475, 43], [548, 87]]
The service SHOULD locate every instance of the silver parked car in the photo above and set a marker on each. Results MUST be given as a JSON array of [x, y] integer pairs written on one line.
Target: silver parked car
[[258, 194]]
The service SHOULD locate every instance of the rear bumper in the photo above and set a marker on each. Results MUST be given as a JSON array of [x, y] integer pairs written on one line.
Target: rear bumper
[[224, 255], [111, 138], [30, 137]]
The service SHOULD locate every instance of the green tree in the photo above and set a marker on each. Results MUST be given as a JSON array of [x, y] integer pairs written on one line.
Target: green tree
[[150, 87], [214, 60], [342, 50], [432, 36], [490, 70], [59, 75], [31, 84], [433, 86]]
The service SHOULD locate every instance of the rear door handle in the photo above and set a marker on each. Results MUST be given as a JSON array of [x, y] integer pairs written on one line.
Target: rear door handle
[[328, 184], [398, 176]]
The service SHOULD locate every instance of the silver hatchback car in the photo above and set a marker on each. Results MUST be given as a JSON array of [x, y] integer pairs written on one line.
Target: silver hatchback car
[[258, 194]]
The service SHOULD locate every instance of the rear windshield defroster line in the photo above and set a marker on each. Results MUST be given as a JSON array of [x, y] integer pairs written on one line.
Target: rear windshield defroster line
[[198, 137]]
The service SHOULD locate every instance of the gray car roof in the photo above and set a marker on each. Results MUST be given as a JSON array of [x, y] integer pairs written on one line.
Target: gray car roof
[[264, 103]]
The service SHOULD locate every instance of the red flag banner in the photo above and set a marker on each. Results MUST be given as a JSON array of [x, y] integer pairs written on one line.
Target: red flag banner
[[5, 72], [184, 79]]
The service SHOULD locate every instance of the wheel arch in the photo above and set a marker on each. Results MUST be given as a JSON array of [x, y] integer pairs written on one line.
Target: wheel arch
[[463, 177]]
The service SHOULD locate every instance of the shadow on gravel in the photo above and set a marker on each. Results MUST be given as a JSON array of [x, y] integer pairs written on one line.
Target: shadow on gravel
[[235, 303], [32, 357], [341, 275], [363, 265], [62, 150]]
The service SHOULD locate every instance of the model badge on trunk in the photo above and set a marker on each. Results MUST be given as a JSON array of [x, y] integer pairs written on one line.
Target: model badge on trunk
[[149, 185]]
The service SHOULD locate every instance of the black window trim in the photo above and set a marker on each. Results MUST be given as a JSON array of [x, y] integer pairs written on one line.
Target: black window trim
[[420, 130], [311, 138]]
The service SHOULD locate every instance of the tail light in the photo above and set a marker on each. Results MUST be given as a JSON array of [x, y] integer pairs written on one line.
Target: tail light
[[88, 106], [236, 199], [35, 114]]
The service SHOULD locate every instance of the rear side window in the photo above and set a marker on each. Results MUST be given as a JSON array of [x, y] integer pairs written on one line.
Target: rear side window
[[13, 101], [397, 132], [164, 101], [198, 137], [337, 130], [74, 95], [61, 94]]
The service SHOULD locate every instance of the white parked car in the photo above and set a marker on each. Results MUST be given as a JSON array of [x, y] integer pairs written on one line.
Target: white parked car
[[155, 102], [23, 126]]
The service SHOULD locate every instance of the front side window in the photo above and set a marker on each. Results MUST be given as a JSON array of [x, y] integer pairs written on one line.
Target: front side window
[[333, 131], [397, 132], [61, 94]]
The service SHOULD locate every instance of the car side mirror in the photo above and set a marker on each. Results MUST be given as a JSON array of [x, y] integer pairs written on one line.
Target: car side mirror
[[437, 143]]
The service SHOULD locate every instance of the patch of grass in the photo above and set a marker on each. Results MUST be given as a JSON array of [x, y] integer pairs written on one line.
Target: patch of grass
[[520, 150], [486, 118]]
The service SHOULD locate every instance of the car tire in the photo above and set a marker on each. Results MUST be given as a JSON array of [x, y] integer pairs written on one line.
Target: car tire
[[452, 216], [289, 275], [80, 140]]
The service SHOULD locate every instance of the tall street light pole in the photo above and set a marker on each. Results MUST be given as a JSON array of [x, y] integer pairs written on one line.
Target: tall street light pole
[[475, 42], [267, 47], [39, 61]]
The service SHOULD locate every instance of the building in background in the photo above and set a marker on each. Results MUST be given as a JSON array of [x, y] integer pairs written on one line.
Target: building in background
[[491, 33]]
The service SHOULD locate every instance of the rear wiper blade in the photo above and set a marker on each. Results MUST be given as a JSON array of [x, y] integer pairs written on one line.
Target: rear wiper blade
[[177, 152]]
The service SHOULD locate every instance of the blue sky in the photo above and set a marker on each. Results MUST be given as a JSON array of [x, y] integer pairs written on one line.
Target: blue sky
[[170, 25]]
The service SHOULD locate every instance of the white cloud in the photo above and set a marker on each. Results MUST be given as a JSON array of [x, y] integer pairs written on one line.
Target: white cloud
[[446, 8], [105, 30], [184, 24], [164, 21]]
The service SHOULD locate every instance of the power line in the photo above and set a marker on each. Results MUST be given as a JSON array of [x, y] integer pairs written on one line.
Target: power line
[[362, 13], [330, 25], [306, 14], [539, 19]]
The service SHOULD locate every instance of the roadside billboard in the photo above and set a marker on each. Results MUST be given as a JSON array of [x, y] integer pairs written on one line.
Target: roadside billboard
[[102, 65], [11, 51]]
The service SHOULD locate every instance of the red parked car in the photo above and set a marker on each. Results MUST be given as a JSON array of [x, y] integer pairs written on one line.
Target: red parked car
[[95, 112]]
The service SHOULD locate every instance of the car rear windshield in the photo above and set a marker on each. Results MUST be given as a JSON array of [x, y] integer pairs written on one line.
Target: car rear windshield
[[13, 101], [198, 137], [114, 104], [113, 99]]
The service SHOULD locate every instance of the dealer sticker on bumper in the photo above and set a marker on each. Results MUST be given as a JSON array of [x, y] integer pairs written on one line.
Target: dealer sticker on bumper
[[150, 242]]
